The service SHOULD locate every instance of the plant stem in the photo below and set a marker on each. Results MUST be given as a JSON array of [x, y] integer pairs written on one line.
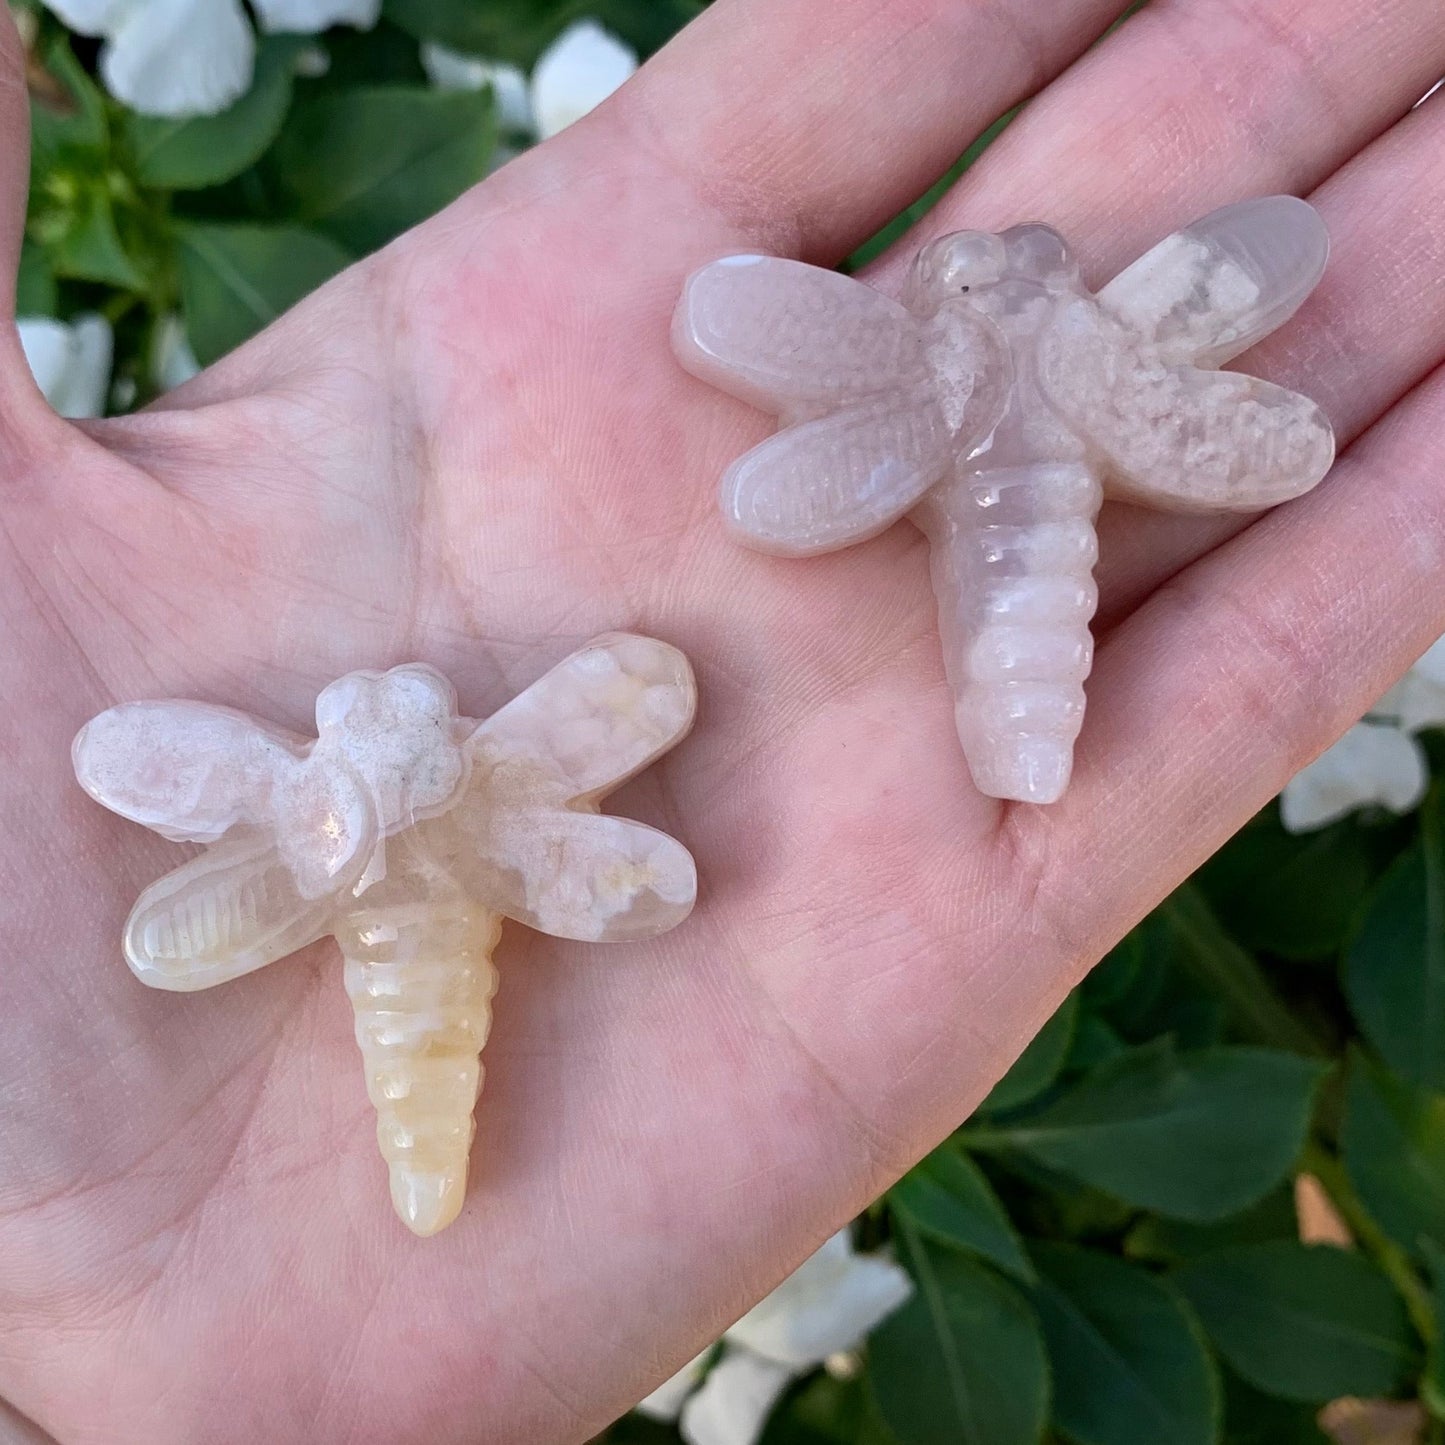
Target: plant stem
[[1255, 1008]]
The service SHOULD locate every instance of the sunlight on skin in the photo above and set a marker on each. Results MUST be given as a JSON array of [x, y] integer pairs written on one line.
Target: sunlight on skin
[[475, 449]]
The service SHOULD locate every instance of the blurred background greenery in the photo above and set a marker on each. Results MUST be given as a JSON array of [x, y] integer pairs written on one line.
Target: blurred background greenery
[[1208, 1204]]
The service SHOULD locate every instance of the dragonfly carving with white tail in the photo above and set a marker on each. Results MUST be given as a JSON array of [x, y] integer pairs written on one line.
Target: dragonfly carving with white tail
[[996, 405]]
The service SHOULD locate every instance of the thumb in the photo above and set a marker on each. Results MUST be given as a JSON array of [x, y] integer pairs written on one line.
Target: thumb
[[17, 391], [14, 155]]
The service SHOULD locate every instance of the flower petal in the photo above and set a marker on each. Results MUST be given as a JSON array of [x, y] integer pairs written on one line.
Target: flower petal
[[306, 17], [172, 360], [735, 1400], [71, 364], [827, 1305], [180, 58], [577, 72], [1374, 764], [452, 70], [1432, 665], [666, 1401]]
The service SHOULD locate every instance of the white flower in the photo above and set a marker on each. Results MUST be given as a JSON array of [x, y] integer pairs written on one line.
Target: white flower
[[1418, 700], [735, 1400], [172, 360], [182, 58], [1378, 762], [825, 1307], [451, 70], [576, 73], [70, 363], [667, 1400], [1374, 764]]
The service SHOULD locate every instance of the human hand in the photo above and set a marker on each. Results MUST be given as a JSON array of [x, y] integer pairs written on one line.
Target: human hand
[[475, 449]]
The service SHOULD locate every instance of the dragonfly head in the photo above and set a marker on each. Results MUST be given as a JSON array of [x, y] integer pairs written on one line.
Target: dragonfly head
[[968, 265], [954, 266], [396, 731]]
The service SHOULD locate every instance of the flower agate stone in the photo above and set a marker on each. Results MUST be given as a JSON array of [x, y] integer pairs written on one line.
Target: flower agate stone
[[996, 405], [408, 833]]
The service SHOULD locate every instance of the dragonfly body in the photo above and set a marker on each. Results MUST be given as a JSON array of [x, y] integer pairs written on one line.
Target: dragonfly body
[[1011, 528], [419, 973], [996, 406]]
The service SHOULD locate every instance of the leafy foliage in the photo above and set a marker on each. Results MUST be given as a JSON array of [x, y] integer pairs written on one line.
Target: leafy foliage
[[363, 165], [1197, 1135], [963, 1360], [236, 278], [1395, 967], [1303, 1322], [1109, 1253], [1130, 1363], [205, 151]]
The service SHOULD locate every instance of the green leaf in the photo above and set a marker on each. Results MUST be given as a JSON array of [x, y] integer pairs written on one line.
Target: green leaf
[[634, 1429], [35, 289], [91, 248], [189, 154], [1120, 971], [1171, 1241], [1394, 971], [947, 1198], [825, 1411], [1253, 1418], [1039, 1064], [1432, 1386], [1393, 1145], [1215, 960], [363, 165], [1130, 1365], [1292, 894], [237, 279], [1147, 988], [1304, 1322], [1195, 1136], [383, 55], [1057, 1205], [69, 116], [1095, 1042], [962, 1363]]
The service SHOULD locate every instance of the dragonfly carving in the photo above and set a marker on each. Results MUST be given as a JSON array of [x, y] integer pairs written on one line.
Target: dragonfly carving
[[408, 833], [996, 404]]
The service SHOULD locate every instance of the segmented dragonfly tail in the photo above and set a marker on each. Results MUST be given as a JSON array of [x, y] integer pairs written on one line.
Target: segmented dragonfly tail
[[421, 981], [1013, 552]]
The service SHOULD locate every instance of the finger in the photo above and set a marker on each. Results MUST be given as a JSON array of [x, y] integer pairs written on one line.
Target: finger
[[1192, 104], [16, 387], [1250, 663], [1372, 330], [808, 124]]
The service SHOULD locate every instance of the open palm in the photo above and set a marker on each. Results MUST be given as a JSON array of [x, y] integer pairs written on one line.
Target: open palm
[[475, 449]]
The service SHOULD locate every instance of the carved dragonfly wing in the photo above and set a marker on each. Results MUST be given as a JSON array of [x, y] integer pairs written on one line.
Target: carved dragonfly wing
[[1176, 437], [584, 728], [192, 772], [846, 369], [535, 849], [1208, 293], [186, 770], [578, 874], [284, 838], [232, 910]]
